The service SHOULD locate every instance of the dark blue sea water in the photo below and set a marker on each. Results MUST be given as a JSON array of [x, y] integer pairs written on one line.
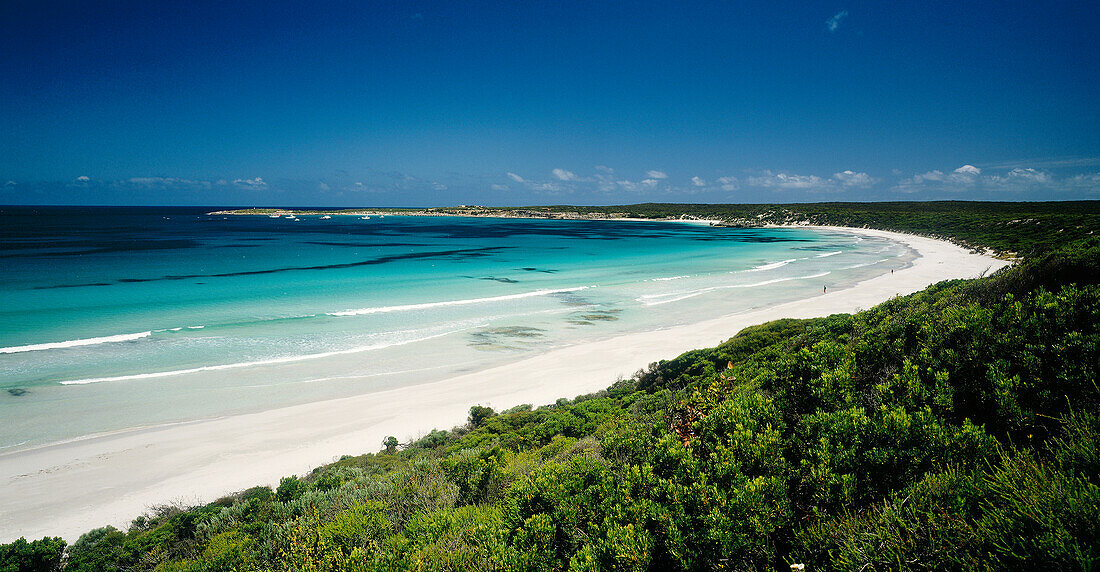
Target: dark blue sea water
[[115, 317]]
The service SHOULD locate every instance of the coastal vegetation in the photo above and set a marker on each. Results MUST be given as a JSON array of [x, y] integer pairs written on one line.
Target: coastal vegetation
[[954, 428]]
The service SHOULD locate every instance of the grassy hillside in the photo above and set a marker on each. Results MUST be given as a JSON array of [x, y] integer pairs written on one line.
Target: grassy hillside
[[955, 428]]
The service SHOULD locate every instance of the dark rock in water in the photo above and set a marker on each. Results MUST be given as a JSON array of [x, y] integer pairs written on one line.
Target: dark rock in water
[[17, 391], [600, 316], [821, 247], [595, 316], [494, 279], [572, 299], [503, 338]]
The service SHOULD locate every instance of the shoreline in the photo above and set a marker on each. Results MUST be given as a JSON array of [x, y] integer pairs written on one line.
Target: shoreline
[[65, 489]]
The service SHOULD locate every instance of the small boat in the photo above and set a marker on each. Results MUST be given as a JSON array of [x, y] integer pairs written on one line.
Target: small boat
[[273, 216], [324, 217], [364, 218], [291, 217]]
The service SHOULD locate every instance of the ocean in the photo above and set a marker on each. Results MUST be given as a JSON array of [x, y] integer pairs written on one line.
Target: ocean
[[116, 318]]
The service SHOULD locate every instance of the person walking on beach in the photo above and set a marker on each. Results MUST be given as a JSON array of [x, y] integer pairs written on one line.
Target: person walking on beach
[[824, 289]]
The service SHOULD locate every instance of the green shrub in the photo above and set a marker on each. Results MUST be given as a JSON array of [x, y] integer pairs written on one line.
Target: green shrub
[[290, 488], [36, 556]]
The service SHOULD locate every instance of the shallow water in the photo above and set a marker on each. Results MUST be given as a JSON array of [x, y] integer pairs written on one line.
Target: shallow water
[[114, 318]]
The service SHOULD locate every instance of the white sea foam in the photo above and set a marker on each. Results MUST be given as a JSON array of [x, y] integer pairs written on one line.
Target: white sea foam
[[774, 280], [427, 305], [92, 341], [75, 343], [181, 328], [864, 264], [827, 254], [272, 361], [667, 279], [771, 266], [652, 300]]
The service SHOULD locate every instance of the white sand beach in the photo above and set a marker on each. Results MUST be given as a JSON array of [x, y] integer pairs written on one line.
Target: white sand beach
[[69, 488]]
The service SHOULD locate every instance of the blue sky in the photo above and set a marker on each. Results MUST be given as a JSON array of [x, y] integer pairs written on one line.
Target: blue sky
[[436, 103]]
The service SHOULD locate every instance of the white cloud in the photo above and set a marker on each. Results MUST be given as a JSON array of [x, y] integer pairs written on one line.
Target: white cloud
[[958, 180], [10, 183], [1086, 180], [853, 179], [1088, 183], [323, 186], [562, 181], [728, 183], [1049, 163], [964, 177], [1029, 174], [605, 179], [698, 182], [650, 182], [968, 178], [656, 174], [933, 175], [1020, 179], [833, 23], [547, 187], [254, 183], [437, 186], [83, 178], [787, 181], [564, 175], [150, 181], [165, 182]]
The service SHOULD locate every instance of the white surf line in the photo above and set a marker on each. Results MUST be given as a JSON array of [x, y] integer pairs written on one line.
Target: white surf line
[[644, 299], [91, 341], [427, 305], [272, 361], [770, 266], [75, 343], [864, 264]]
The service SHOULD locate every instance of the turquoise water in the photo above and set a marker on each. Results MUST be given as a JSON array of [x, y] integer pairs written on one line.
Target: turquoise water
[[114, 318]]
